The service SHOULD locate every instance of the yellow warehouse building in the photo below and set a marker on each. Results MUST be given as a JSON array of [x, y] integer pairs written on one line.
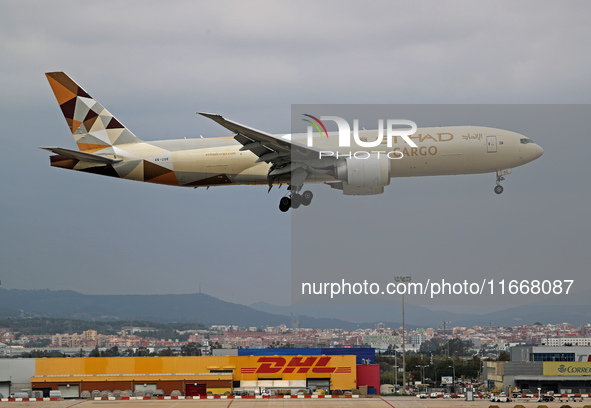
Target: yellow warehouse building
[[195, 375]]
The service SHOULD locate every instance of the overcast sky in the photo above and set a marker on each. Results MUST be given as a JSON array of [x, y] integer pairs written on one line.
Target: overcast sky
[[153, 64]]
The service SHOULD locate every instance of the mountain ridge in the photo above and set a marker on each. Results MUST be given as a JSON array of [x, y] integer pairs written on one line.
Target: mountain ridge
[[209, 310]]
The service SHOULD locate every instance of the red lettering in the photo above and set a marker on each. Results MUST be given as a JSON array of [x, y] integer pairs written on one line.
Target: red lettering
[[271, 365], [301, 365], [321, 366], [300, 362], [297, 362]]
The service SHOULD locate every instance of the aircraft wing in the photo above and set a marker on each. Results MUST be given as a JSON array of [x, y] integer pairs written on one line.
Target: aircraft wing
[[268, 148], [86, 157]]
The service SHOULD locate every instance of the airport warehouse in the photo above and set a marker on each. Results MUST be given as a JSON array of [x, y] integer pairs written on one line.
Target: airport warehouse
[[551, 369], [275, 370]]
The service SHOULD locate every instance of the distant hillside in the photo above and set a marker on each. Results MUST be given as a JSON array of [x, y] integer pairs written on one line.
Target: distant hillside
[[390, 315], [208, 310], [418, 316], [530, 314], [6, 313], [195, 307]]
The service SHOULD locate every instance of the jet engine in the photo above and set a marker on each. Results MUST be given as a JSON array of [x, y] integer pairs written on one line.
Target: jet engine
[[363, 176]]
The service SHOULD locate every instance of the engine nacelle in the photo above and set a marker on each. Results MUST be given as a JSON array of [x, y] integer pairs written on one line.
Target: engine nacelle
[[364, 176]]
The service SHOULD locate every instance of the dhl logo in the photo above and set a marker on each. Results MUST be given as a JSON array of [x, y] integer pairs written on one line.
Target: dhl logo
[[302, 365]]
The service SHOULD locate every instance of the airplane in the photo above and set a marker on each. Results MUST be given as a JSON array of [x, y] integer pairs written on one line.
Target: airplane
[[255, 157]]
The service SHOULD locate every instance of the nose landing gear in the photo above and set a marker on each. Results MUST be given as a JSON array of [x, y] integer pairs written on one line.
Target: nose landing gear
[[499, 188]]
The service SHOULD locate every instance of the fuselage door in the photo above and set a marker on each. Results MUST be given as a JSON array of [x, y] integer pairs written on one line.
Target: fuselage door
[[491, 144]]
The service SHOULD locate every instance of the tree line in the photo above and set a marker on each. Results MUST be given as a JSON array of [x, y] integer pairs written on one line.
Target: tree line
[[52, 325], [189, 349], [434, 360]]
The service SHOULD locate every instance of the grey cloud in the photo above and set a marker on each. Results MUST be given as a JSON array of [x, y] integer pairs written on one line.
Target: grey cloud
[[153, 64]]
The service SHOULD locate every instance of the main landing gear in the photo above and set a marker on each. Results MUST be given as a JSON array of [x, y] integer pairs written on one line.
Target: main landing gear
[[295, 200]]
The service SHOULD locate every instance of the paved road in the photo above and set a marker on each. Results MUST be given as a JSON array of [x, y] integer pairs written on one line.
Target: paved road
[[386, 402], [399, 402]]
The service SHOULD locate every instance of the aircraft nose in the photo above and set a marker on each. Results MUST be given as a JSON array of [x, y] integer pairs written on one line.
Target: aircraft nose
[[539, 151]]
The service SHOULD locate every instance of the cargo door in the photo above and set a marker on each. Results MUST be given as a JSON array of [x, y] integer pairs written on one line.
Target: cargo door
[[315, 383], [5, 388], [491, 144], [192, 390]]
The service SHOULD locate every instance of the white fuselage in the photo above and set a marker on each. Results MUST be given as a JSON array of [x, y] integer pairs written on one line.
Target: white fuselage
[[219, 161], [439, 151]]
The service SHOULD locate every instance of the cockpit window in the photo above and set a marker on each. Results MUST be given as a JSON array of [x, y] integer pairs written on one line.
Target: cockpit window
[[526, 141]]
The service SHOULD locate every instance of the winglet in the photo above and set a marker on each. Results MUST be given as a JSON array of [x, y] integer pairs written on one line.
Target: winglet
[[213, 116], [210, 115]]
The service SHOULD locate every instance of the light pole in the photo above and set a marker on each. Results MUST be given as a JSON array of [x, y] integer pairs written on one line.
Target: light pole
[[454, 375], [403, 279], [395, 372], [445, 337], [422, 367]]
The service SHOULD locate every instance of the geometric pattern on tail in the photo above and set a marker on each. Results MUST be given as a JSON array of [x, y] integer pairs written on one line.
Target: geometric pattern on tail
[[93, 127]]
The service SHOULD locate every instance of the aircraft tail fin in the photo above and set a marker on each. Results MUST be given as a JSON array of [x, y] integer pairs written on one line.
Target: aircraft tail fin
[[93, 127]]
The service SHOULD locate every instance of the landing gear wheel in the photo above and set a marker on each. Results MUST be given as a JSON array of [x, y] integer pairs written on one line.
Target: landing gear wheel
[[296, 200], [498, 187], [284, 204], [307, 197]]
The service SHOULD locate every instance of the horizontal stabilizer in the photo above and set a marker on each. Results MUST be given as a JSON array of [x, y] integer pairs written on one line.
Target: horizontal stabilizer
[[86, 157]]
